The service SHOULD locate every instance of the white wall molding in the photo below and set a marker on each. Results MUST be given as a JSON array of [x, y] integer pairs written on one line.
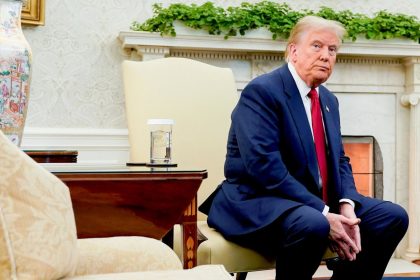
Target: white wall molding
[[93, 145]]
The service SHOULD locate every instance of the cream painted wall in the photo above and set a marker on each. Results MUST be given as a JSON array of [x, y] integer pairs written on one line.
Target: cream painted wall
[[76, 80]]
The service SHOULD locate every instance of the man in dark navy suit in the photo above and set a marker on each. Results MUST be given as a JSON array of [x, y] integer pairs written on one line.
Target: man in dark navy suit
[[289, 188]]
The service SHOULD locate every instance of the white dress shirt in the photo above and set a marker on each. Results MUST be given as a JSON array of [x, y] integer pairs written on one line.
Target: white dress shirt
[[303, 91]]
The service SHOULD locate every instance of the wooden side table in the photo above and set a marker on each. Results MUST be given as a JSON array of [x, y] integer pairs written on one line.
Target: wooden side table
[[136, 201]]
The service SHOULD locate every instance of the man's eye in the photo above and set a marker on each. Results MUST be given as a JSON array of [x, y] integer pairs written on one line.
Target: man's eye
[[316, 46], [333, 49]]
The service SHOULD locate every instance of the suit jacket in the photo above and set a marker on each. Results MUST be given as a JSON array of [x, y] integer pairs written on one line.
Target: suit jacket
[[271, 163]]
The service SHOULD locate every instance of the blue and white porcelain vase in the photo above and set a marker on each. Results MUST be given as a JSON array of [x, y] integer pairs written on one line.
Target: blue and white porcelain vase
[[15, 71]]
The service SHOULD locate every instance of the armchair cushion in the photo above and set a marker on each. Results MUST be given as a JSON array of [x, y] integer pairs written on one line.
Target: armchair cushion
[[124, 254], [217, 250], [37, 227]]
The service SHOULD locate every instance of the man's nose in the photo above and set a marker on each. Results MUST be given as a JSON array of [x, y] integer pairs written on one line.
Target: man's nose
[[324, 56]]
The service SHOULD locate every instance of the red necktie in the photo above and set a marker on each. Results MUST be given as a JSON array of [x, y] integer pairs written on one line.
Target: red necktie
[[319, 138]]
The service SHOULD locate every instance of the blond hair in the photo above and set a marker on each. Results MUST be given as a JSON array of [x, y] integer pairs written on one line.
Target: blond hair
[[313, 23]]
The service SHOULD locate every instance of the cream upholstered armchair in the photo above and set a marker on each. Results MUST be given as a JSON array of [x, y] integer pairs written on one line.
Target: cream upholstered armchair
[[200, 98], [38, 234]]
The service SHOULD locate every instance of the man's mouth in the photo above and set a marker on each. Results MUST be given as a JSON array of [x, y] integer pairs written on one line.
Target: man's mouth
[[322, 68]]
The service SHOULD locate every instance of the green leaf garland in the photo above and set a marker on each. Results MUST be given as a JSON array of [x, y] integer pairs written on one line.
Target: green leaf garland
[[278, 18]]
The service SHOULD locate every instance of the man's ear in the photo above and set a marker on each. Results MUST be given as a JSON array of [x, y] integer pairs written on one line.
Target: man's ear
[[292, 52]]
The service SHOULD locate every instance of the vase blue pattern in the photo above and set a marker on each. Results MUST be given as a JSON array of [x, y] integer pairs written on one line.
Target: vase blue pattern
[[15, 71]]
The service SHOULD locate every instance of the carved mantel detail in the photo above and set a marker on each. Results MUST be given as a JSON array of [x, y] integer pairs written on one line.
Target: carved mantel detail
[[410, 100]]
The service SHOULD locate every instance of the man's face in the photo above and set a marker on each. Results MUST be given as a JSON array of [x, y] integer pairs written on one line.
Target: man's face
[[314, 56]]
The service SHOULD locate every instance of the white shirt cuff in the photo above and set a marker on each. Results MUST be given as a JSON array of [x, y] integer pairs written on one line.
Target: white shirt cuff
[[326, 210], [349, 201]]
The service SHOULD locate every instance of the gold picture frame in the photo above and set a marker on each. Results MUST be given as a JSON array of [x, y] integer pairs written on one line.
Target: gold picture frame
[[33, 12]]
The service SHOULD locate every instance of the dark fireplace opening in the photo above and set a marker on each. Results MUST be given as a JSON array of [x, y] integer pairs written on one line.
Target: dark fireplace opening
[[367, 164]]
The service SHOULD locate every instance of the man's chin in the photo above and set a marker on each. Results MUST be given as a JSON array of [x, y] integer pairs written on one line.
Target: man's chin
[[320, 79]]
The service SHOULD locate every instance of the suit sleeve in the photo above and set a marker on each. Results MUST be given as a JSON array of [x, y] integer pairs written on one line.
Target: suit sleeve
[[255, 121]]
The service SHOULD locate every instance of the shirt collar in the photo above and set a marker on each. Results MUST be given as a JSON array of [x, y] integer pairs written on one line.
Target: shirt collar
[[301, 85]]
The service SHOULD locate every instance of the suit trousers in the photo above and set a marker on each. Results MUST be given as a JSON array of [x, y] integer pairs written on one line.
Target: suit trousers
[[381, 229], [300, 236]]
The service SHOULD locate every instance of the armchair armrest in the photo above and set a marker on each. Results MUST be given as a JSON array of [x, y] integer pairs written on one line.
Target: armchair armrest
[[124, 254]]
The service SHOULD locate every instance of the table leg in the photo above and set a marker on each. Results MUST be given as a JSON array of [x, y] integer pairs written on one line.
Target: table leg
[[189, 235]]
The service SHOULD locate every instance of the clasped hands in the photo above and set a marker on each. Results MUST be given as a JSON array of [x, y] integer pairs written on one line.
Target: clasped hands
[[345, 232]]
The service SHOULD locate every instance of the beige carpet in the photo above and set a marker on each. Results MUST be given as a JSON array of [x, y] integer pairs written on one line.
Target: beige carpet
[[395, 266]]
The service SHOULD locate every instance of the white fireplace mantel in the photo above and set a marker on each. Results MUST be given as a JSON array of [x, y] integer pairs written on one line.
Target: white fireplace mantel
[[151, 44]]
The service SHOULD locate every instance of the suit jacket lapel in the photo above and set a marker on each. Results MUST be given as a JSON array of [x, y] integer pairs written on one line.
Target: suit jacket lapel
[[298, 113], [330, 129]]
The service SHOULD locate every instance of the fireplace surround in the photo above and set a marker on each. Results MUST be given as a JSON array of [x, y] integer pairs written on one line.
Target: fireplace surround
[[367, 164]]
